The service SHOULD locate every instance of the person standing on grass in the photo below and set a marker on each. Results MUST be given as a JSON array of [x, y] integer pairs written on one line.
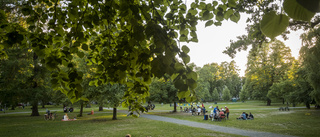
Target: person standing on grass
[[227, 111], [216, 111], [204, 110], [199, 110]]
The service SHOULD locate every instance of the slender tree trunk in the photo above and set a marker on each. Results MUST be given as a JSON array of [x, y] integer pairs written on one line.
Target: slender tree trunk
[[308, 104], [175, 107], [12, 107], [100, 108], [43, 105], [268, 102], [283, 101], [81, 108], [35, 111], [114, 117]]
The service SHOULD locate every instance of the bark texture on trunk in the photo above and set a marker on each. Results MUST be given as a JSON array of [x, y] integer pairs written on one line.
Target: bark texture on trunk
[[35, 111], [175, 107], [268, 102], [81, 108], [114, 117]]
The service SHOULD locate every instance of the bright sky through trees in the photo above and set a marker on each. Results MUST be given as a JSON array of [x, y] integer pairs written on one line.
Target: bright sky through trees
[[213, 41]]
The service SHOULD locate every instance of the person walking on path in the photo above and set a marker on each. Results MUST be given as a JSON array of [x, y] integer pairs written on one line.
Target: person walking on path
[[227, 111]]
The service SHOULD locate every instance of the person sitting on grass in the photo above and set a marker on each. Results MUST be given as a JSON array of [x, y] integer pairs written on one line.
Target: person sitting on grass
[[221, 114], [193, 111], [250, 116], [243, 116], [65, 117]]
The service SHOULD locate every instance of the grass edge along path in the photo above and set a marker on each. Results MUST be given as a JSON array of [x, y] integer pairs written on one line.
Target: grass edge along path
[[222, 129]]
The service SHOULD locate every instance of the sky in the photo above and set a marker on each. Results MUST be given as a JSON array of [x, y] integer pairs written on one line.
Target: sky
[[213, 40]]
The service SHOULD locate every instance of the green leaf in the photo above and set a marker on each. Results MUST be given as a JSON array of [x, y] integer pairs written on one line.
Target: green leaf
[[232, 3], [194, 39], [296, 11], [179, 84], [214, 3], [84, 47], [235, 17], [169, 16], [202, 5], [193, 5], [185, 49], [94, 82], [193, 34], [79, 88], [181, 94], [192, 84], [192, 75], [84, 99], [311, 5], [183, 7], [186, 59], [228, 13], [218, 23], [207, 15], [178, 66], [273, 25], [192, 11], [80, 54]]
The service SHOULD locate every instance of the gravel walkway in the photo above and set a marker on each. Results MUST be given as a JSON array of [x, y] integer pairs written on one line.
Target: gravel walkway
[[229, 130]]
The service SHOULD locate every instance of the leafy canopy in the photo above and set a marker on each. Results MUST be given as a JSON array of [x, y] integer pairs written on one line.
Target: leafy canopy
[[129, 42]]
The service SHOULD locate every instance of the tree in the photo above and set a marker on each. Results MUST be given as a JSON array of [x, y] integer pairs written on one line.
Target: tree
[[203, 91], [226, 94], [309, 53], [243, 95], [14, 74], [271, 21], [134, 40], [266, 66], [215, 94]]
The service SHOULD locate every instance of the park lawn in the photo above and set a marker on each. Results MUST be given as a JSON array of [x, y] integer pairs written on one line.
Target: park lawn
[[267, 118], [99, 124]]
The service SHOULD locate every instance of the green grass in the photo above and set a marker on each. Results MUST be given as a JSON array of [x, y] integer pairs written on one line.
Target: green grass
[[267, 118], [99, 124]]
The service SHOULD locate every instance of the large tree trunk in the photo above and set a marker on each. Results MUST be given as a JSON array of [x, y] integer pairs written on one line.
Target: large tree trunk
[[114, 117], [34, 108], [175, 107], [268, 102], [100, 108], [81, 108]]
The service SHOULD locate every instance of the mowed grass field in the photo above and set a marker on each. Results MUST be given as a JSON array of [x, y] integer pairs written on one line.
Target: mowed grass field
[[97, 125], [298, 122]]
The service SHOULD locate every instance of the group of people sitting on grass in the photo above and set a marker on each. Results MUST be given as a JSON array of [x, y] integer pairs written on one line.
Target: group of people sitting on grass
[[245, 116], [195, 110], [220, 113]]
